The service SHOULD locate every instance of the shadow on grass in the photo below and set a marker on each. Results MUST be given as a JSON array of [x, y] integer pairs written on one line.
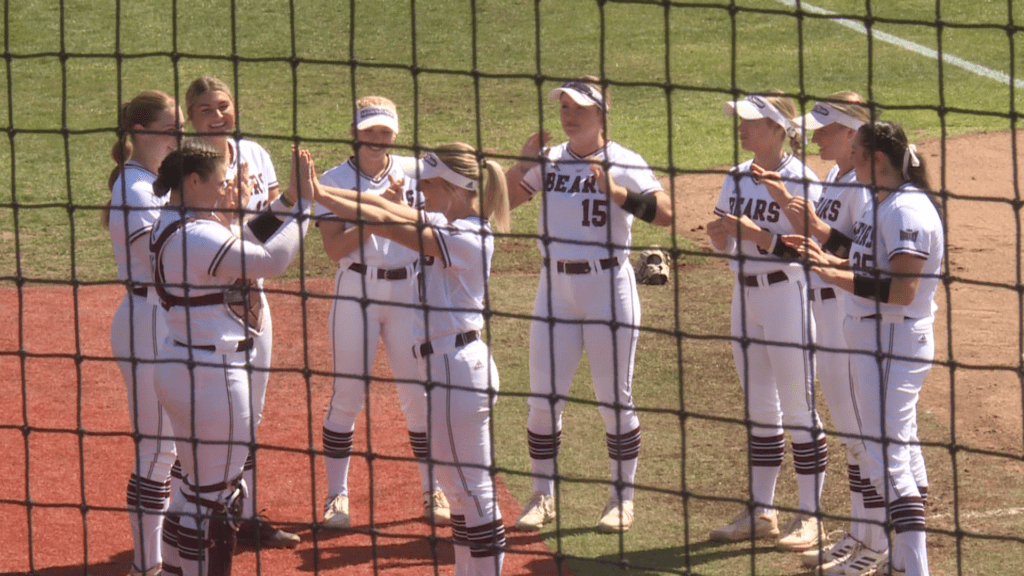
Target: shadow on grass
[[676, 560]]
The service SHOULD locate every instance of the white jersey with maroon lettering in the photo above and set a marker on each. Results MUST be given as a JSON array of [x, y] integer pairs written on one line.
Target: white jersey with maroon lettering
[[377, 250], [579, 220], [907, 223], [742, 195]]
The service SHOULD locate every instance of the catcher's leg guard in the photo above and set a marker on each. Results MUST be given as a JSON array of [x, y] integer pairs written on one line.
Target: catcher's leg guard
[[217, 526]]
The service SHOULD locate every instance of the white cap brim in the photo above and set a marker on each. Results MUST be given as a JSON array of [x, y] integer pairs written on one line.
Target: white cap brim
[[430, 166], [581, 93], [824, 114], [376, 116]]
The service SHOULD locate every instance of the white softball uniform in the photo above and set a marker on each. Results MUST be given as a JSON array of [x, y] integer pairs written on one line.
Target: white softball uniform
[[843, 200], [213, 317], [262, 177], [376, 296], [771, 329], [888, 387], [463, 383], [135, 334], [586, 297]]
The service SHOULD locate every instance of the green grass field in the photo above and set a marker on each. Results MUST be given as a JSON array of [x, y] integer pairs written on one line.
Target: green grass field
[[472, 76]]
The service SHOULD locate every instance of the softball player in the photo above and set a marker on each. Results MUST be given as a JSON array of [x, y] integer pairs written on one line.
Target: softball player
[[214, 314], [211, 110], [152, 120], [375, 297], [843, 199], [893, 271], [462, 200], [770, 303], [592, 188]]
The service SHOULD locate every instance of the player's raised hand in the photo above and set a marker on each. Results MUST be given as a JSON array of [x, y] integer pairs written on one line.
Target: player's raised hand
[[606, 185], [742, 226], [717, 232], [307, 180], [801, 214], [244, 185], [773, 182], [395, 191], [534, 144], [292, 193]]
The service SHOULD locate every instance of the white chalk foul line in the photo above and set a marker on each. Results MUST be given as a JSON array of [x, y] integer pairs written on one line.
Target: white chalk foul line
[[907, 44], [985, 514]]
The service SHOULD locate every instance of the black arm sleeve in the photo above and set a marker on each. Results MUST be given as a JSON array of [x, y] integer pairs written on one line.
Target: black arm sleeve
[[643, 206], [838, 244], [780, 249], [875, 289], [264, 225]]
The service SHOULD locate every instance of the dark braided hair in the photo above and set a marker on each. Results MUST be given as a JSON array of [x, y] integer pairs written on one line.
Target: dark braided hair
[[890, 139], [194, 156]]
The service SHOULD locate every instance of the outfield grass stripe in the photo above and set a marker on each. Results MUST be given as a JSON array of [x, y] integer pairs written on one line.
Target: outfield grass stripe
[[908, 45]]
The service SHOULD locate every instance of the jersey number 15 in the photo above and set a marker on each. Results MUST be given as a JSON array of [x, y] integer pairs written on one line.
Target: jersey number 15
[[595, 212]]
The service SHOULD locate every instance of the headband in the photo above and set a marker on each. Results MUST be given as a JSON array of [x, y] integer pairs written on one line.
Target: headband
[[433, 167]]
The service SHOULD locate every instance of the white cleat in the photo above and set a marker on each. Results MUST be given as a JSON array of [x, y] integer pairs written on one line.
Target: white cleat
[[336, 515], [803, 532], [538, 511], [617, 516], [863, 562], [831, 554], [742, 527]]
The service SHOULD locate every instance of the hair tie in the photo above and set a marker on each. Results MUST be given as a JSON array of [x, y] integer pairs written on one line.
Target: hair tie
[[910, 159]]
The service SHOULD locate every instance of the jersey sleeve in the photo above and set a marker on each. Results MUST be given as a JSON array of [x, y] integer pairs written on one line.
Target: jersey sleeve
[[635, 175], [532, 181], [232, 257], [909, 233], [722, 206], [144, 209]]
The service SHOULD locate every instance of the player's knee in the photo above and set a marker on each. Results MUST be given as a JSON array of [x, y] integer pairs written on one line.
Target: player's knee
[[542, 419], [619, 421]]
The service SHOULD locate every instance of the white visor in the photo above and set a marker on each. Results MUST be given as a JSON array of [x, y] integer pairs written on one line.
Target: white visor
[[376, 116], [824, 114], [754, 107], [582, 93], [432, 167]]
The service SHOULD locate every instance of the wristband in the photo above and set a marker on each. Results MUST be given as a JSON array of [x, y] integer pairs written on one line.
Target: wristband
[[871, 288], [780, 249], [838, 243], [643, 206], [287, 203], [264, 225]]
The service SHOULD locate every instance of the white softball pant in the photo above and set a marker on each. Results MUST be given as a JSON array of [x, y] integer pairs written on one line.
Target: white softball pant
[[463, 386], [776, 369], [136, 334], [356, 328], [887, 390], [599, 310], [209, 407], [833, 365]]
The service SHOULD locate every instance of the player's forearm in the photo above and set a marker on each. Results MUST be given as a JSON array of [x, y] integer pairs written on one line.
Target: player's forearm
[[341, 242]]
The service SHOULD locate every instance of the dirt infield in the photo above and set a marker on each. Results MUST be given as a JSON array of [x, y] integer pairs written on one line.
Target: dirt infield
[[64, 466]]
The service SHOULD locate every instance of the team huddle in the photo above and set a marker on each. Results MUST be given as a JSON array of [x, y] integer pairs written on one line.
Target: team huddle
[[197, 224]]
